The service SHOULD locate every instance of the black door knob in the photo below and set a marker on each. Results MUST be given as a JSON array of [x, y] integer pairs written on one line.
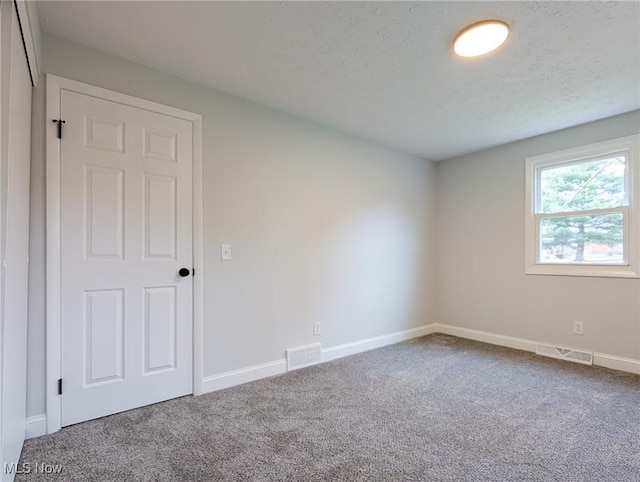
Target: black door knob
[[184, 272]]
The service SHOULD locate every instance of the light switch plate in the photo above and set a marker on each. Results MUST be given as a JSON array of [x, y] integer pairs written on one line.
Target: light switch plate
[[225, 252]]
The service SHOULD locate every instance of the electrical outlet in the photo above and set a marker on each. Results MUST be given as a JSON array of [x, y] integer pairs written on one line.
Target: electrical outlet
[[578, 328], [317, 327]]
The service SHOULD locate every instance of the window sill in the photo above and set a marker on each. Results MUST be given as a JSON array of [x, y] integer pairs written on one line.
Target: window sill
[[590, 270]]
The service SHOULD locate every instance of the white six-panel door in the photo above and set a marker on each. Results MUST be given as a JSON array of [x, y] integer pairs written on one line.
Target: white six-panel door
[[126, 231]]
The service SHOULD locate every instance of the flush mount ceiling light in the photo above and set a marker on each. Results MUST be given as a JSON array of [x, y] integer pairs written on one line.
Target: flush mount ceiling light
[[480, 38]]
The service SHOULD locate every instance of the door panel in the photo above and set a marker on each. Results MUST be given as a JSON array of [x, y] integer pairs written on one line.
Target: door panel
[[160, 215], [104, 341], [160, 329], [104, 210], [126, 232]]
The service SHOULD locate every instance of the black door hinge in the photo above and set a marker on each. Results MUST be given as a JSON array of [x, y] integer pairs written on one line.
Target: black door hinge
[[193, 272], [59, 386], [59, 122]]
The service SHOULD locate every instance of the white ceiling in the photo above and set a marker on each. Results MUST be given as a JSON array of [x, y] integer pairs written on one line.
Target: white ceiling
[[384, 70]]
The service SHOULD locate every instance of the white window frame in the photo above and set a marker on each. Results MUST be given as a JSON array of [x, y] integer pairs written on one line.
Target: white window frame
[[630, 268]]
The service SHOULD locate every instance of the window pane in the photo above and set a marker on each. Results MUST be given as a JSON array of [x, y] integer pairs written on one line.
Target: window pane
[[597, 184], [596, 238]]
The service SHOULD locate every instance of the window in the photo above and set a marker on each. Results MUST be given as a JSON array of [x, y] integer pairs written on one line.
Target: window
[[583, 211]]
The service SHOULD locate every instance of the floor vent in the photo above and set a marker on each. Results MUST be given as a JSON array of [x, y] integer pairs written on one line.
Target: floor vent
[[303, 356], [577, 356]]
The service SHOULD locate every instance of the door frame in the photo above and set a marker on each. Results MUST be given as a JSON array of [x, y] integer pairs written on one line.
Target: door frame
[[53, 323]]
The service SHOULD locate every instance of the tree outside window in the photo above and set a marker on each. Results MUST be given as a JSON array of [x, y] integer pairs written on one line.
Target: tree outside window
[[583, 210], [583, 188]]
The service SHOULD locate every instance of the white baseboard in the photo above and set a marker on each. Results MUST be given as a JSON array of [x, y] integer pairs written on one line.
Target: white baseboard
[[35, 426], [600, 359], [277, 367], [617, 363], [485, 337], [243, 375], [347, 349]]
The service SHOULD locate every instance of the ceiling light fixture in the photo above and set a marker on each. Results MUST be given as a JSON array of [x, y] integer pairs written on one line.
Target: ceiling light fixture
[[481, 38]]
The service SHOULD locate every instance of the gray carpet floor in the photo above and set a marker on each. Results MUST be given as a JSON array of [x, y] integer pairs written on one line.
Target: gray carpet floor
[[438, 408]]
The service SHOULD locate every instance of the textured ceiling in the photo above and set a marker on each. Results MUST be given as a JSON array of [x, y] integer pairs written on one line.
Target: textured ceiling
[[384, 70]]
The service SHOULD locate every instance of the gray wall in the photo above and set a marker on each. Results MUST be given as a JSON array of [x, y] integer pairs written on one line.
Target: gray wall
[[480, 254], [323, 225]]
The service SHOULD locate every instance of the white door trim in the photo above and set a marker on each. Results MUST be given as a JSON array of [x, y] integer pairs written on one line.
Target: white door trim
[[53, 251], [30, 26]]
